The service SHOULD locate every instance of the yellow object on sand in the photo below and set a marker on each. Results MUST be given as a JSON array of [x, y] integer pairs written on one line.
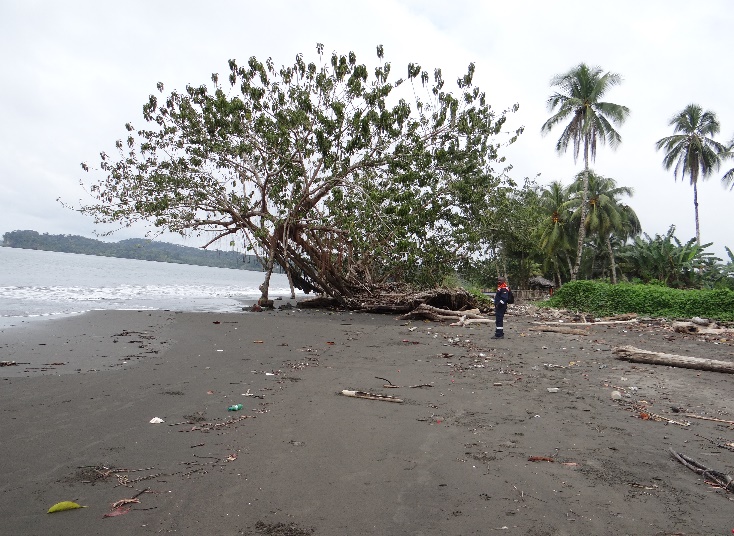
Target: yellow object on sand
[[64, 505]]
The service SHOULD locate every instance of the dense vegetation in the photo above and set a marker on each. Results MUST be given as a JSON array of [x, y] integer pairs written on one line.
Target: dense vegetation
[[133, 248], [604, 299]]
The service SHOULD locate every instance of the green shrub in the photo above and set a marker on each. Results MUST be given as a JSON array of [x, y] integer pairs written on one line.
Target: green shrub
[[603, 299]]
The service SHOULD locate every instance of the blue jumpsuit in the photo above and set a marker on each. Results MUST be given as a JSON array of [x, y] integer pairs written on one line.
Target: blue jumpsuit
[[500, 308]]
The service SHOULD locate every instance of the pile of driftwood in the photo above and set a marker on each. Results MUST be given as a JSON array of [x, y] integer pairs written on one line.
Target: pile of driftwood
[[397, 300], [457, 318]]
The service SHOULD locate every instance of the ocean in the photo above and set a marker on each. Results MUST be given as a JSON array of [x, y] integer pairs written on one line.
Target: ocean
[[47, 284]]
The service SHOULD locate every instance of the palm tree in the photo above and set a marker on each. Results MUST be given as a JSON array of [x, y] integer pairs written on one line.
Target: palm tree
[[554, 234], [579, 99], [606, 217], [692, 150]]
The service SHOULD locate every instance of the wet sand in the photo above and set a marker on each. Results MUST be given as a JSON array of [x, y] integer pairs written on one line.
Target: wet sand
[[300, 458]]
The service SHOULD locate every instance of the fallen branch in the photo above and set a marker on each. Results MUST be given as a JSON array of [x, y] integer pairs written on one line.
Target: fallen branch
[[371, 396], [624, 317], [567, 331], [694, 416], [646, 415], [717, 477], [637, 355]]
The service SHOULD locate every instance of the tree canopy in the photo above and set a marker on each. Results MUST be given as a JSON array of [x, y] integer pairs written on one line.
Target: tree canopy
[[337, 173], [692, 150]]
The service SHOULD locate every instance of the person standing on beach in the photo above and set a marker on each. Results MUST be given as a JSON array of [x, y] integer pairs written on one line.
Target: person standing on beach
[[501, 299]]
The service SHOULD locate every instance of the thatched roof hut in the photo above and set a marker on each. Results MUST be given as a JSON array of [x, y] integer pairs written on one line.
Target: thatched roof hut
[[541, 283]]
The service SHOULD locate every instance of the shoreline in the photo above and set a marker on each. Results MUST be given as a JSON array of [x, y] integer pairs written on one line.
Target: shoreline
[[450, 459]]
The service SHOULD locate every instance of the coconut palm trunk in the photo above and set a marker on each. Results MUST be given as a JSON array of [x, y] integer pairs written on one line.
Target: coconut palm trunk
[[582, 225], [695, 209], [612, 264]]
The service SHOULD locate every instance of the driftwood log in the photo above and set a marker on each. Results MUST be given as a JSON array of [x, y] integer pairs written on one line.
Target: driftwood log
[[371, 396], [559, 329], [637, 355], [442, 315], [594, 323]]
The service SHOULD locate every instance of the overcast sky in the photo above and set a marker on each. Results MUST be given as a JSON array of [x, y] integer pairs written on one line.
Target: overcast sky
[[77, 71]]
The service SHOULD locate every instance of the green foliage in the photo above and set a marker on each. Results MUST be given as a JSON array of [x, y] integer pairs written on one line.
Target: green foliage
[[484, 301], [325, 165], [669, 261], [603, 299]]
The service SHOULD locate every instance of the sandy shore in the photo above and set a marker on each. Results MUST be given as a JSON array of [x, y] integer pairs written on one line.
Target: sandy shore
[[300, 458]]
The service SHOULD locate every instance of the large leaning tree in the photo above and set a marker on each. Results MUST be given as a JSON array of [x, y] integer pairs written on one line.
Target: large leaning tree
[[348, 180]]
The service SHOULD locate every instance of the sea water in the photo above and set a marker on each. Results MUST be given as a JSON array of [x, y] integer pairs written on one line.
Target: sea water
[[42, 284]]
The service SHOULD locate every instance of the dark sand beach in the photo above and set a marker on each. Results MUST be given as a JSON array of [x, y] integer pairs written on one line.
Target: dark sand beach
[[300, 458]]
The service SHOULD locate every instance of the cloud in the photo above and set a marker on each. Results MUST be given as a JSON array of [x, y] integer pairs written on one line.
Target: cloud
[[76, 71]]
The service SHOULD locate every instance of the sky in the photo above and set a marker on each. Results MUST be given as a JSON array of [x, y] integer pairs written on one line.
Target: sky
[[76, 71]]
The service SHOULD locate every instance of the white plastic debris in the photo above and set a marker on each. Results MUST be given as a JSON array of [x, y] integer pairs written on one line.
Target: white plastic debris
[[156, 420]]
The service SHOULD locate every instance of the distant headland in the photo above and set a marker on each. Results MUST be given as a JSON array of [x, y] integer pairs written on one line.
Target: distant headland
[[132, 248]]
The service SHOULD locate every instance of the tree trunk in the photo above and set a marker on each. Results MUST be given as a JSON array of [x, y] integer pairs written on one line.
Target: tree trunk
[[636, 355], [612, 265], [557, 271], [582, 225], [290, 283], [265, 287], [695, 208], [568, 262]]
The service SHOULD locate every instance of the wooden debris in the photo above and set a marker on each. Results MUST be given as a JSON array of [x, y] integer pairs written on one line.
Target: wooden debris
[[700, 329], [647, 416], [559, 329], [371, 396], [694, 416], [540, 459], [443, 315], [625, 317], [123, 502], [637, 355], [717, 477]]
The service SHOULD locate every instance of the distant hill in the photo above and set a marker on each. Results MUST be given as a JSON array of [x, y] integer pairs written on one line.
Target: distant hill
[[132, 248]]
